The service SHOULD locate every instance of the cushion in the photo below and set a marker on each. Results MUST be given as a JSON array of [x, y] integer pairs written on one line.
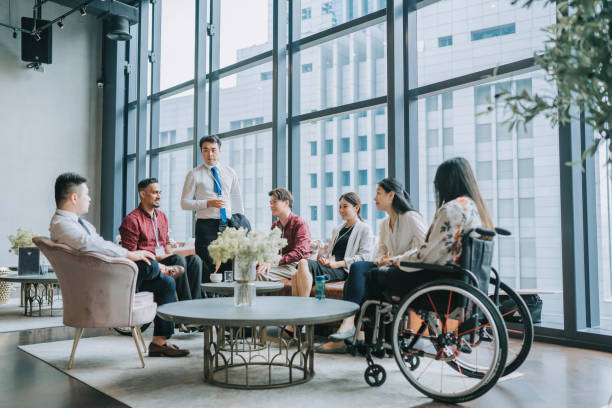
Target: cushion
[[333, 290]]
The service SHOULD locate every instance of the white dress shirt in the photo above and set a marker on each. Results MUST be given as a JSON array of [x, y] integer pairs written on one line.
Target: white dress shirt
[[65, 229], [407, 236], [199, 187]]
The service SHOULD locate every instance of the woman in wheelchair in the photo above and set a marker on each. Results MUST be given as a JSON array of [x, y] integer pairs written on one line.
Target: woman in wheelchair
[[441, 317], [401, 232], [460, 208], [351, 242]]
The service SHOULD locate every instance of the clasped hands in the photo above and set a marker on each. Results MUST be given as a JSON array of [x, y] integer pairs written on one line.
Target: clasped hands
[[329, 263], [386, 260]]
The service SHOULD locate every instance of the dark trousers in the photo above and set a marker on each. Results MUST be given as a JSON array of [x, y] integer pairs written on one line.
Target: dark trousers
[[150, 279], [188, 284], [205, 233], [384, 282], [355, 285]]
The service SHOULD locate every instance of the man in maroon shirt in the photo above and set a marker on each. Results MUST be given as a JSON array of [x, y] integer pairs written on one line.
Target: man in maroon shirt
[[146, 228], [294, 229]]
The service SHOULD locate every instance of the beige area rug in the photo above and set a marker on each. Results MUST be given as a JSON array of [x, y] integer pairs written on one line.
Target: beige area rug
[[13, 319], [111, 365]]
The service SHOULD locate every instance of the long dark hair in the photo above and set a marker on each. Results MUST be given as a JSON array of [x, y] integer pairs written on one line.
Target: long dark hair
[[455, 178], [354, 200], [401, 201]]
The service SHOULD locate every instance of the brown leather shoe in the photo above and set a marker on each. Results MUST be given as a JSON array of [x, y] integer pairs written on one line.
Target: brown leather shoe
[[167, 350]]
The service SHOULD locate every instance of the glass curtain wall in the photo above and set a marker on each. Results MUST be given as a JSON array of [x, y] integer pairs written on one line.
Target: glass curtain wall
[[517, 171], [298, 91]]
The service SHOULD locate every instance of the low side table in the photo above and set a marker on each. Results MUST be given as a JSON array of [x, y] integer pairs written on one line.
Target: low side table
[[35, 288], [289, 362]]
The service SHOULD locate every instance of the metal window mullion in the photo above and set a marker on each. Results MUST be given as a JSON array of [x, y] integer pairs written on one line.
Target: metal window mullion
[[141, 93], [475, 78], [293, 106], [199, 96], [246, 131], [395, 89], [155, 62], [411, 141], [338, 31], [590, 226], [214, 57], [571, 229], [242, 65], [339, 110], [279, 89]]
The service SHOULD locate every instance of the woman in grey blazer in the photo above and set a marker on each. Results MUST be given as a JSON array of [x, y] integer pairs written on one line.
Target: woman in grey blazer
[[351, 242]]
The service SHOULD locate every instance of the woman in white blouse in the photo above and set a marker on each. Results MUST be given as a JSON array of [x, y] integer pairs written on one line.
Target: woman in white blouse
[[460, 208], [401, 232], [351, 242]]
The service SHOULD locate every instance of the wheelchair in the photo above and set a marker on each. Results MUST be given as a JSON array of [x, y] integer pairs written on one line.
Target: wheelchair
[[447, 335]]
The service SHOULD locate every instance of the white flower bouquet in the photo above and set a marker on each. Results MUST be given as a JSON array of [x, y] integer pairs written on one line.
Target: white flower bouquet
[[257, 246]]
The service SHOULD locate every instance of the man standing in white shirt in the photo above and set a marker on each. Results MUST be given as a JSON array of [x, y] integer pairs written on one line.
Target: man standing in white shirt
[[213, 192], [67, 227]]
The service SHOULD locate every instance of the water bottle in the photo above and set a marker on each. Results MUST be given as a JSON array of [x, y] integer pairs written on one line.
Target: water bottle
[[44, 265], [320, 287]]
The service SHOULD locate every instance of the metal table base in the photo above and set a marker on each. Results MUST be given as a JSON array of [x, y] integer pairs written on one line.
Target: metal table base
[[38, 292], [227, 363]]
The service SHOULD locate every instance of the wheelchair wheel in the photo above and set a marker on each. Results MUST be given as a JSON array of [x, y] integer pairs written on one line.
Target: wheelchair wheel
[[125, 331], [519, 325], [449, 322], [375, 375]]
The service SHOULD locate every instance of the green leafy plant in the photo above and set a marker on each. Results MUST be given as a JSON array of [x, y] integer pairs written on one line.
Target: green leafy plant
[[23, 238], [577, 58]]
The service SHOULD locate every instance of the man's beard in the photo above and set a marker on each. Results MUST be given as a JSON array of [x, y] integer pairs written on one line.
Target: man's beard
[[155, 205]]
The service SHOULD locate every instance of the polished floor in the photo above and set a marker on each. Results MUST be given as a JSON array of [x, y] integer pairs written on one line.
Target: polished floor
[[554, 376]]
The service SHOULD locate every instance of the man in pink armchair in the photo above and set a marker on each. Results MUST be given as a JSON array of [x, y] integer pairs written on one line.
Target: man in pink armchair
[[67, 227]]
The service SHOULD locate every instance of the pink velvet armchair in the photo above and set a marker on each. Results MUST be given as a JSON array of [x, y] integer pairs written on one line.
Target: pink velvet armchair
[[98, 292]]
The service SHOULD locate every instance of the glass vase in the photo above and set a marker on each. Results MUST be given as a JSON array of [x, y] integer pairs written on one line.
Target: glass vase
[[244, 284]]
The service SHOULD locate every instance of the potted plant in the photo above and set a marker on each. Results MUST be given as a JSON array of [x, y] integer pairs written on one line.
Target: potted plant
[[246, 251], [23, 238]]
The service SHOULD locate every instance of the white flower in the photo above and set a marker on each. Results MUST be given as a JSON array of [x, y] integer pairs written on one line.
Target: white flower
[[257, 246]]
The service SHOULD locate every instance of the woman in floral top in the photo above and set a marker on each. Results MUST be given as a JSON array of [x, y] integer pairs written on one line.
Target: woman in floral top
[[460, 208]]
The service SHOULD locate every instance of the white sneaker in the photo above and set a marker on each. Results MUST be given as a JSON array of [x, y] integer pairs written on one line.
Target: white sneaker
[[424, 344]]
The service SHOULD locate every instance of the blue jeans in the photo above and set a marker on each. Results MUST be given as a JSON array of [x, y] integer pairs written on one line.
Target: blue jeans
[[355, 285], [150, 279]]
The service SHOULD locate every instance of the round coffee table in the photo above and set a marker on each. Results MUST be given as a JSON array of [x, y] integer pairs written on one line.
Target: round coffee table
[[275, 365], [34, 288], [227, 288]]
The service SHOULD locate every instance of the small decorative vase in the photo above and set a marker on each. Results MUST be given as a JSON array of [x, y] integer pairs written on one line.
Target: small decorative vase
[[244, 281]]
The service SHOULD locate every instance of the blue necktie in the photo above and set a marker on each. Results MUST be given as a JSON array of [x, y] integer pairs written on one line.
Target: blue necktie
[[218, 191], [84, 227]]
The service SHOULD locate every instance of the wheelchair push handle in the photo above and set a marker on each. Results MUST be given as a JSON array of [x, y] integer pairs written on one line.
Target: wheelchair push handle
[[484, 232], [502, 231], [490, 233]]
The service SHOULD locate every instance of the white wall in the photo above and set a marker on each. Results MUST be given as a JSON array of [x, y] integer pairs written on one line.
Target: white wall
[[50, 122]]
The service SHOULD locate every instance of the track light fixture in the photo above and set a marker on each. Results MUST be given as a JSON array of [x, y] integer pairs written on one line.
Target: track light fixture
[[83, 11], [60, 24], [14, 33]]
